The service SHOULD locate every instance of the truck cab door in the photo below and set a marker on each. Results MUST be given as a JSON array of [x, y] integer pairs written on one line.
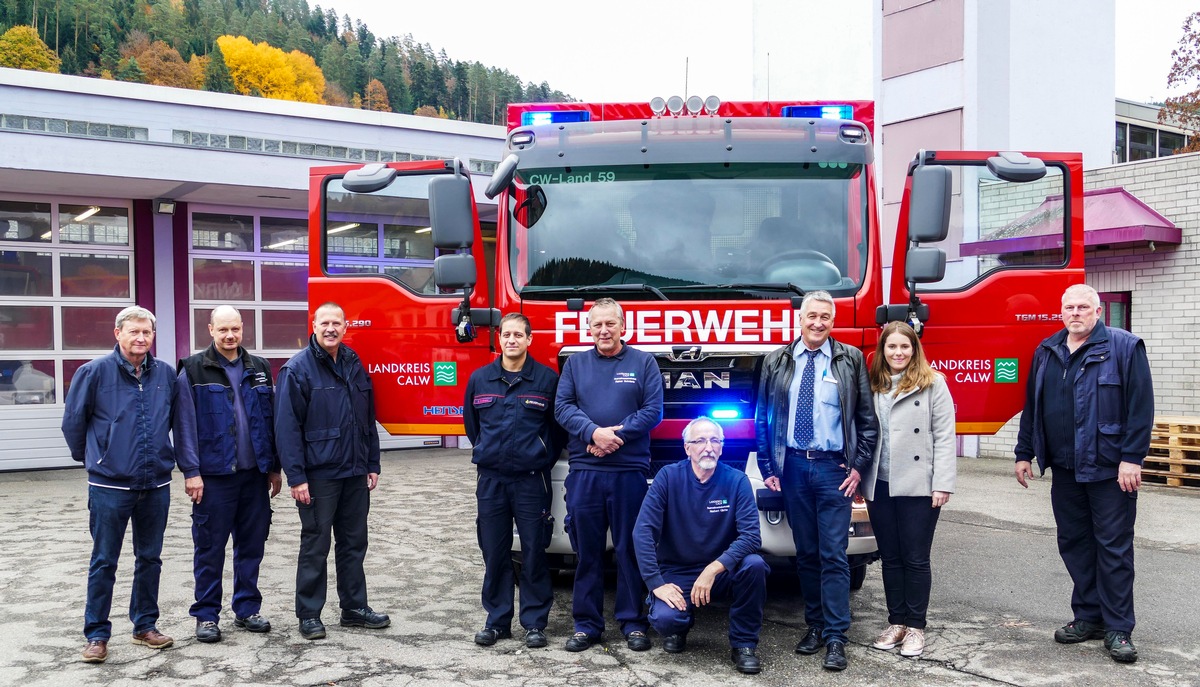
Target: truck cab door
[[374, 251], [1011, 241]]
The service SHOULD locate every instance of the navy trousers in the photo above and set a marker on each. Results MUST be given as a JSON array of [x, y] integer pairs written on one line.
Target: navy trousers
[[524, 499], [904, 527], [110, 512], [745, 586], [819, 516], [598, 502], [339, 508], [1095, 539], [236, 505]]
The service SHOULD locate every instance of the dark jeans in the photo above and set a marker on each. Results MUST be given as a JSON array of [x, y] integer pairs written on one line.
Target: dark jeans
[[904, 528], [1095, 539], [237, 505], [819, 516], [598, 502], [524, 499], [339, 508], [110, 511], [745, 586]]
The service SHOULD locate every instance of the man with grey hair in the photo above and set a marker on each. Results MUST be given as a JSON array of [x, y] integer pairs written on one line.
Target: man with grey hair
[[608, 400], [117, 421], [816, 429], [226, 446], [1089, 412], [697, 539]]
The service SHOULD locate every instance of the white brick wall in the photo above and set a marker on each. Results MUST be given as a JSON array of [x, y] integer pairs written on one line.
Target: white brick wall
[[1164, 284]]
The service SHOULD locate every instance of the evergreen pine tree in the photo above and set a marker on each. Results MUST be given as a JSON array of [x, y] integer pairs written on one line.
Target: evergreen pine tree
[[216, 74]]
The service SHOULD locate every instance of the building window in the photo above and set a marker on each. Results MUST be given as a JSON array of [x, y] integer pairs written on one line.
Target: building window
[[1169, 142], [1116, 309], [1122, 141], [66, 270], [258, 263], [1142, 143]]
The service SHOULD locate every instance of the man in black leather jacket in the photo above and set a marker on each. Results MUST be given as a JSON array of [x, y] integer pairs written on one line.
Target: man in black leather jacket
[[816, 429]]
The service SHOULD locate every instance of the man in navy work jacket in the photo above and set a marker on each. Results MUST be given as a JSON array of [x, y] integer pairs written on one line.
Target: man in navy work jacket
[[226, 450], [609, 398], [816, 429], [1089, 411], [118, 416], [508, 413], [329, 448], [697, 541]]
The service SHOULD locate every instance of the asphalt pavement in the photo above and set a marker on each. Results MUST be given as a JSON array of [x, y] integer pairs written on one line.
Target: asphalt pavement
[[999, 593]]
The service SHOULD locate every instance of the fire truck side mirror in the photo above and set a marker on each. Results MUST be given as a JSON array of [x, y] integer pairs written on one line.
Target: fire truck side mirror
[[369, 178], [454, 271], [929, 204], [453, 226], [502, 177], [925, 265], [1016, 167]]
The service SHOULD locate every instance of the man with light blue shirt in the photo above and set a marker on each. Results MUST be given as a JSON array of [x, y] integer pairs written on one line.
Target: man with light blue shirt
[[816, 430]]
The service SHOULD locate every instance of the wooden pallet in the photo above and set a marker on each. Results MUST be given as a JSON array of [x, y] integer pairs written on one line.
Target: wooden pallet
[[1174, 458]]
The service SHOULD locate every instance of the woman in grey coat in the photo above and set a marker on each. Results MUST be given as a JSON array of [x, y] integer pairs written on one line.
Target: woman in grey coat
[[911, 478]]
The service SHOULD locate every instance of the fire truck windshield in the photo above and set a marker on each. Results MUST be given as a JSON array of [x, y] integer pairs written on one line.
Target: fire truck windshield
[[745, 230]]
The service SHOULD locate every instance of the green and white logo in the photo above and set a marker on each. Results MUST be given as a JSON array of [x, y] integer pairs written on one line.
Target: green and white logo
[[1006, 370], [445, 374]]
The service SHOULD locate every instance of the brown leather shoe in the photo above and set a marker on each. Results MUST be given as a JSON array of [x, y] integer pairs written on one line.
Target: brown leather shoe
[[96, 651], [153, 639]]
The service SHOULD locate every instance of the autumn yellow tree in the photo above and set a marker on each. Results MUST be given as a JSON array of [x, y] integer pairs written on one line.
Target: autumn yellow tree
[[260, 69], [376, 97], [197, 66], [21, 48], [310, 80]]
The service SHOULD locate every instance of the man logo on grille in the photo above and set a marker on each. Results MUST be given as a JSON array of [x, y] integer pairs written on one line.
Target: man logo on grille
[[685, 353]]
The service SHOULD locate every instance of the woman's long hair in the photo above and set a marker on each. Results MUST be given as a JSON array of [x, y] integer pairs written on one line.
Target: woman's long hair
[[917, 375]]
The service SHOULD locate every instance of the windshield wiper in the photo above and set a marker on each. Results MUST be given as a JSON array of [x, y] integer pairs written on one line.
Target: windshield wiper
[[739, 286], [596, 287]]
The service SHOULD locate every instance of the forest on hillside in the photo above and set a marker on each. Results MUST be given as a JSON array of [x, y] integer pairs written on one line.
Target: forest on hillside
[[270, 48]]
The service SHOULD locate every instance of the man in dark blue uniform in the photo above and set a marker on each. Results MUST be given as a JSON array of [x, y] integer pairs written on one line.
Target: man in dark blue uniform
[[508, 413], [329, 448], [697, 540], [226, 450], [609, 398], [816, 429], [1089, 411]]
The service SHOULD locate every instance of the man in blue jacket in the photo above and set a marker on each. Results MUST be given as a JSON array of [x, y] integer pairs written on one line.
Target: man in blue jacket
[[508, 413], [697, 540], [329, 448], [226, 447], [609, 398], [1089, 411], [117, 421]]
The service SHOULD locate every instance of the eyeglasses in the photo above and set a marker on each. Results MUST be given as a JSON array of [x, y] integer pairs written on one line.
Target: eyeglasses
[[714, 442]]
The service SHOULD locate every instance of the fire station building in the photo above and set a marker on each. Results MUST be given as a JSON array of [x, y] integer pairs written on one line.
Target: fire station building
[[115, 193]]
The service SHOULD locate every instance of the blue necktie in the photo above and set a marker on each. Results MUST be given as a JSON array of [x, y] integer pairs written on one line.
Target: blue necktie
[[803, 432]]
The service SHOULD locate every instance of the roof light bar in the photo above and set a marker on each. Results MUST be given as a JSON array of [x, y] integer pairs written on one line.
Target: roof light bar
[[819, 111], [536, 117]]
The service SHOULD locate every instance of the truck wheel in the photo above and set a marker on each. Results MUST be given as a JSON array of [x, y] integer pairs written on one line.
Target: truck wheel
[[858, 575]]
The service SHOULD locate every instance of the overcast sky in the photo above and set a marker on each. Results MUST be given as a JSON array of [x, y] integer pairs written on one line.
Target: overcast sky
[[632, 50]]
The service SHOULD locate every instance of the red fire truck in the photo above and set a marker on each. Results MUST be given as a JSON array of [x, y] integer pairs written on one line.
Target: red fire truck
[[708, 221]]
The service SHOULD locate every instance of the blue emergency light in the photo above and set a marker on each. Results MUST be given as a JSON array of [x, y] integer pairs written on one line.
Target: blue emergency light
[[554, 117], [724, 413], [819, 111]]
